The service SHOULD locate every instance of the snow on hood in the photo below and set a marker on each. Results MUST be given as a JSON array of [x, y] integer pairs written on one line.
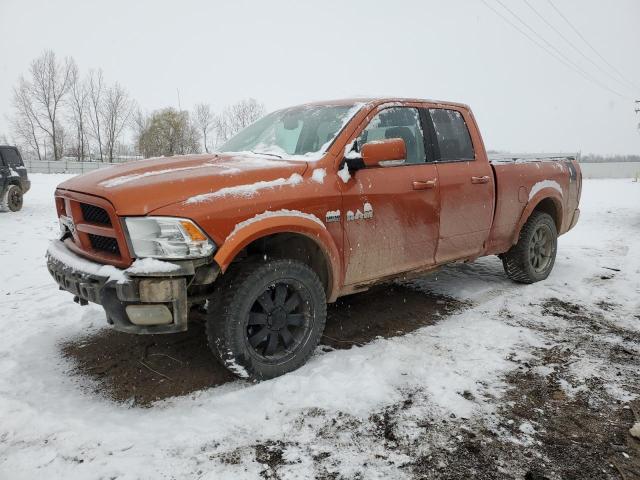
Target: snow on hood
[[138, 188]]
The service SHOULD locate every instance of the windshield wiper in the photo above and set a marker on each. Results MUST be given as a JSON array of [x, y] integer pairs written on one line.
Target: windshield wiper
[[266, 153]]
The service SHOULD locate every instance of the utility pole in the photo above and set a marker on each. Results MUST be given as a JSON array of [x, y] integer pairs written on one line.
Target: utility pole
[[179, 106]]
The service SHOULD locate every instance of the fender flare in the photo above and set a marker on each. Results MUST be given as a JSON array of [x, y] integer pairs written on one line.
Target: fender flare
[[310, 227], [532, 204]]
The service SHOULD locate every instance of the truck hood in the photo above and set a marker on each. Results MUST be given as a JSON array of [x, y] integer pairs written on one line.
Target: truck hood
[[140, 187]]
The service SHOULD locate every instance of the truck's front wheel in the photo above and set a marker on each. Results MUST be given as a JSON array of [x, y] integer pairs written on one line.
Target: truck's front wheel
[[532, 258], [268, 318]]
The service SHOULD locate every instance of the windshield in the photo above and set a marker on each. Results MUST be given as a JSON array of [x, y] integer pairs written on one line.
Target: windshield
[[300, 132]]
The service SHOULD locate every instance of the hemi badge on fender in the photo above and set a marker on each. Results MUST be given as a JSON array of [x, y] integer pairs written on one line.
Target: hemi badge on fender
[[332, 216]]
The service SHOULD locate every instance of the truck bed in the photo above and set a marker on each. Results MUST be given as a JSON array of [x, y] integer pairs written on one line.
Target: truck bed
[[531, 157], [520, 178]]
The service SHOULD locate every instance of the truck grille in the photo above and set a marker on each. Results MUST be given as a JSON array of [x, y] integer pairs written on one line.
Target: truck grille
[[94, 214], [104, 244], [94, 230]]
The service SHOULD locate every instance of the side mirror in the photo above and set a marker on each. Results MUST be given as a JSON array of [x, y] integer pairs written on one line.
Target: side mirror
[[391, 149]]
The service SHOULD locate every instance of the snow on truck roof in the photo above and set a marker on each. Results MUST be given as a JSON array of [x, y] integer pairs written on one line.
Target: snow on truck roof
[[380, 100]]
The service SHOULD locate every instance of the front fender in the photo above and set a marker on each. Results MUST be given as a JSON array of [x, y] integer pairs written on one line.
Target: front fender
[[543, 194], [270, 223]]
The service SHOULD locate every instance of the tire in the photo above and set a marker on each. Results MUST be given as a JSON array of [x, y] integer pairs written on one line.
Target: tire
[[12, 199], [268, 318], [532, 258]]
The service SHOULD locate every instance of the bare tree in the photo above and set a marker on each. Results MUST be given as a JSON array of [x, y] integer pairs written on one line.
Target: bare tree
[[24, 123], [236, 117], [117, 109], [139, 123], [79, 105], [61, 139], [95, 86], [204, 119], [49, 83]]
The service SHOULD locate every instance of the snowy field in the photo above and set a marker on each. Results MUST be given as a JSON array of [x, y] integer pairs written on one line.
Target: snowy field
[[525, 380]]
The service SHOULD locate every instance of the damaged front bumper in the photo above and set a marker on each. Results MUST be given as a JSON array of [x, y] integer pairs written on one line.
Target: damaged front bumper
[[146, 303]]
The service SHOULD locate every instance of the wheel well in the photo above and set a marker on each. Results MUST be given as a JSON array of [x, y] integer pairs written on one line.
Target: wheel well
[[293, 246], [549, 207]]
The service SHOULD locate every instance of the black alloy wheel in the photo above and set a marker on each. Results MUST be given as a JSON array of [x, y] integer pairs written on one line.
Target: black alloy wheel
[[267, 317], [278, 320], [532, 258]]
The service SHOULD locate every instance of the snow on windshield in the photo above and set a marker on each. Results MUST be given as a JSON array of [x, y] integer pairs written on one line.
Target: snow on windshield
[[297, 133]]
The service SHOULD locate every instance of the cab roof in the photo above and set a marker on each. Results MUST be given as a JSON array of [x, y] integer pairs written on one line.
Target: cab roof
[[380, 100]]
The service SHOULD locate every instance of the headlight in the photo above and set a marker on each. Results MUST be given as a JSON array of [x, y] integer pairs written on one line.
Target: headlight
[[167, 237]]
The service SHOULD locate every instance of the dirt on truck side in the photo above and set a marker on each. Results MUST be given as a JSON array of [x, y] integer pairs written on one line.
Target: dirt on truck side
[[308, 204]]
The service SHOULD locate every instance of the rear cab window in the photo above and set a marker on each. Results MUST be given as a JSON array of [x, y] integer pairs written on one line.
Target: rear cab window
[[10, 157], [452, 138], [397, 122]]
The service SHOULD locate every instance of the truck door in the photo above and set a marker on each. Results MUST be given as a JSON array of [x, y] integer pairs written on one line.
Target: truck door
[[390, 213], [467, 190], [4, 173]]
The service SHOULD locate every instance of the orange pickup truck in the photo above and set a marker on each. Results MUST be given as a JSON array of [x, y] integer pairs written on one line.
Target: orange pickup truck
[[305, 205]]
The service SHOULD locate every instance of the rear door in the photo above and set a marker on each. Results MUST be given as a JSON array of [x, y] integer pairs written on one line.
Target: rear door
[[466, 182], [390, 213]]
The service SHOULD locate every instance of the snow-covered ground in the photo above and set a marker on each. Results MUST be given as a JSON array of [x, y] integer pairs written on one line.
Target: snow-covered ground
[[322, 420]]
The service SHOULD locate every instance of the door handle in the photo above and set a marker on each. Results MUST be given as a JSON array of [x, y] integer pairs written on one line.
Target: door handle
[[424, 184], [484, 179]]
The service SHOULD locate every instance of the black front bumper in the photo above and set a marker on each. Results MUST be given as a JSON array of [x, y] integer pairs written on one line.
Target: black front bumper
[[127, 291]]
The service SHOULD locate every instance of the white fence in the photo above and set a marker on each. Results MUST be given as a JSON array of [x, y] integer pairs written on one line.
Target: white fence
[[63, 166], [611, 170]]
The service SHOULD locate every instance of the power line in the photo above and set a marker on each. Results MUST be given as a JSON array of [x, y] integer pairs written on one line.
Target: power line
[[606, 72], [534, 41], [574, 66], [591, 46], [541, 46]]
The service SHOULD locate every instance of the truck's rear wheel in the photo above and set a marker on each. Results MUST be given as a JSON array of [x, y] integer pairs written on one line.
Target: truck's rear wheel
[[532, 258], [268, 318], [12, 199]]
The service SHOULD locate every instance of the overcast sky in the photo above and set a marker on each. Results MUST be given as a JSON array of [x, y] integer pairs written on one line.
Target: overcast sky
[[290, 52]]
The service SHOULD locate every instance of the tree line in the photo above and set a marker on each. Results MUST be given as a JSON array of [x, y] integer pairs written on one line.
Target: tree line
[[58, 113]]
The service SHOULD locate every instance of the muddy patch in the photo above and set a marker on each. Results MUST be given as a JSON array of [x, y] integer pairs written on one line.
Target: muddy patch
[[385, 311], [141, 369], [558, 418]]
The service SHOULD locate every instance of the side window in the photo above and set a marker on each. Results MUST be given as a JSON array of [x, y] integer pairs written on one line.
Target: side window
[[397, 122], [452, 135], [11, 158]]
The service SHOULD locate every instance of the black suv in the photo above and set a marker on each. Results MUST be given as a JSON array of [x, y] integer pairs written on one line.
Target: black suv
[[13, 179]]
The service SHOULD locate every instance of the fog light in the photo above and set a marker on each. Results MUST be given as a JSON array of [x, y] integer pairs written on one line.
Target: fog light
[[149, 314]]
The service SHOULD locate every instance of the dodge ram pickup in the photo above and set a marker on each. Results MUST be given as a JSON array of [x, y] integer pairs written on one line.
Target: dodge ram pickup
[[307, 204]]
